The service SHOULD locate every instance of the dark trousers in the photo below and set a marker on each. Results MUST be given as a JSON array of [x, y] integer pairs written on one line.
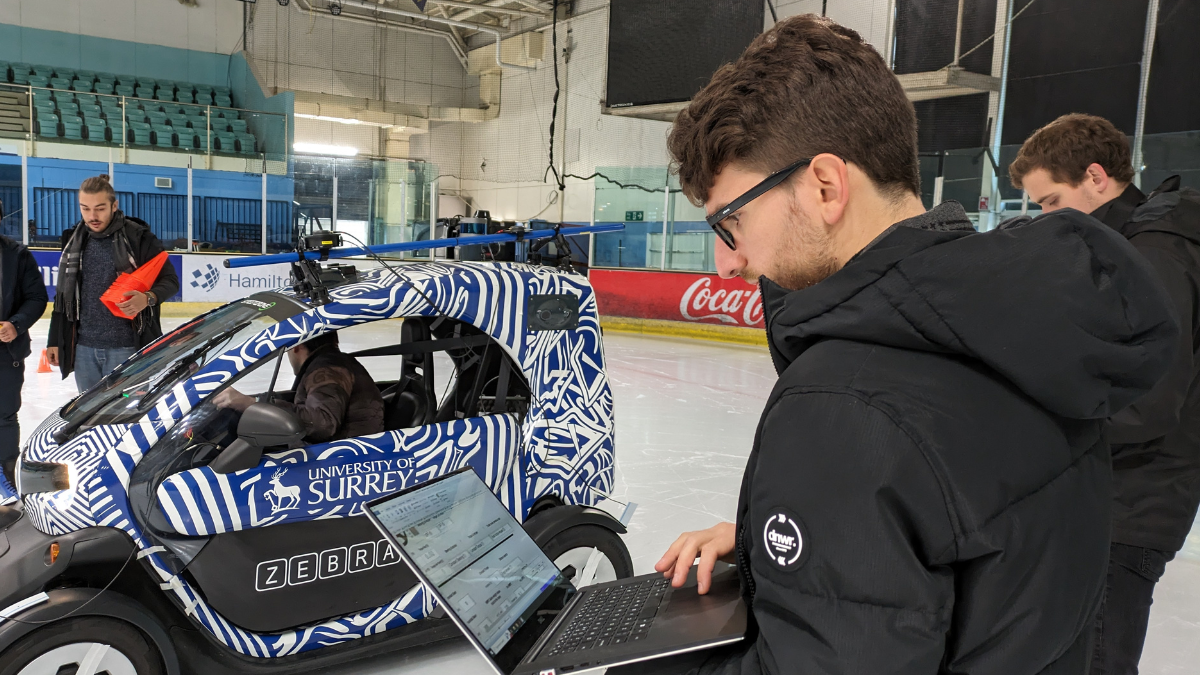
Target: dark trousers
[[1125, 611], [12, 377]]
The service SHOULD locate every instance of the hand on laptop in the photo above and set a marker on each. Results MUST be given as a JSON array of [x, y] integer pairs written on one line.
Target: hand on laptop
[[715, 543]]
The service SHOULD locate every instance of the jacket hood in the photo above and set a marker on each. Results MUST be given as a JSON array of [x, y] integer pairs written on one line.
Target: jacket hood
[[1063, 307]]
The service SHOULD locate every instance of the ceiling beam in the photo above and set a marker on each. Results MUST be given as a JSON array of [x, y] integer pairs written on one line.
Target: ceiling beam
[[491, 7]]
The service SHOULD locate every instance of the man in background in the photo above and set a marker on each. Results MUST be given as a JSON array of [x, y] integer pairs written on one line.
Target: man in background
[[85, 337], [1083, 162], [335, 396], [23, 301]]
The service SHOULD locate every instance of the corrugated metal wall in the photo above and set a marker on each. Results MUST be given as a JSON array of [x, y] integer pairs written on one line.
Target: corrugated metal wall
[[223, 222]]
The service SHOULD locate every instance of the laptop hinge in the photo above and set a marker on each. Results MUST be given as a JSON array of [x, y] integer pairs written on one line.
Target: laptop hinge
[[554, 625]]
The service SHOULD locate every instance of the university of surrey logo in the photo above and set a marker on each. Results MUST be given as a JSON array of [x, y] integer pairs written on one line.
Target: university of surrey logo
[[206, 278], [282, 497]]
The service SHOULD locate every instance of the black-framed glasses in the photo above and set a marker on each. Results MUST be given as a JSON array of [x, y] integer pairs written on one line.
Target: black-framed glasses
[[714, 221]]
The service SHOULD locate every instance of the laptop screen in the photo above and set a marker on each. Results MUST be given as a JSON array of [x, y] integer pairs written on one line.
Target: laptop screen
[[461, 538]]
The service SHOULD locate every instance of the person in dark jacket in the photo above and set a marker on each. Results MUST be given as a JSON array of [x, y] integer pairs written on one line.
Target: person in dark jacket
[[1083, 162], [335, 397], [929, 488], [21, 305], [85, 337]]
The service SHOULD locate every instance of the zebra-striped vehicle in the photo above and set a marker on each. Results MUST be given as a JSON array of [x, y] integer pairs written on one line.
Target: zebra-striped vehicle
[[152, 531]]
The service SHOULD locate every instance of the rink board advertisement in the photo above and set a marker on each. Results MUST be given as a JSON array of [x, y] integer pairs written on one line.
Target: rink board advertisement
[[677, 296], [202, 278]]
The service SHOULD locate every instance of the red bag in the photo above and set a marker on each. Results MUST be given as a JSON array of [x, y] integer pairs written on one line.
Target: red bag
[[139, 280]]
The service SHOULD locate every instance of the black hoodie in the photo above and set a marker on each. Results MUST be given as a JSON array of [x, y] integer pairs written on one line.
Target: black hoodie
[[929, 489]]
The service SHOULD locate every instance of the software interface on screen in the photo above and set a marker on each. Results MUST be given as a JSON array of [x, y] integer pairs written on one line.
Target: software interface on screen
[[460, 537]]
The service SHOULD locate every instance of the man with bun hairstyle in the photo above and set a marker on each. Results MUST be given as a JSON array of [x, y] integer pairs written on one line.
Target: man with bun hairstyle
[[1083, 162], [85, 337], [929, 488]]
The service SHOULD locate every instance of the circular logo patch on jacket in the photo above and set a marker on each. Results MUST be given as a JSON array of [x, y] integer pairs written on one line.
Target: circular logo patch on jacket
[[783, 537]]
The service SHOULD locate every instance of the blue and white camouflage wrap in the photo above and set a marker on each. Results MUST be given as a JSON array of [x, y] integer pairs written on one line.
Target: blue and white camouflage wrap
[[564, 446]]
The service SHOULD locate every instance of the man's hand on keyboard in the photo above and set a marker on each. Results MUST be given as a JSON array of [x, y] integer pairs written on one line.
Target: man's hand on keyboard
[[715, 543]]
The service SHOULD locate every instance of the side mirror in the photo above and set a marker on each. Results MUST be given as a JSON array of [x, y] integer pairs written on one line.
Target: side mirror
[[262, 426]]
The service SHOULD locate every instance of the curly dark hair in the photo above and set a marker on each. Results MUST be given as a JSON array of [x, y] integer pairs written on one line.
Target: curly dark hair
[[1070, 144], [804, 87]]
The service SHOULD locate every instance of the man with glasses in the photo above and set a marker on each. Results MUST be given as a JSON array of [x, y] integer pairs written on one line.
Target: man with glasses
[[928, 491]]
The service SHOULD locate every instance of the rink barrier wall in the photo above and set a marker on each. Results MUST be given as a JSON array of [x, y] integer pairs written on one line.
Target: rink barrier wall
[[681, 329]]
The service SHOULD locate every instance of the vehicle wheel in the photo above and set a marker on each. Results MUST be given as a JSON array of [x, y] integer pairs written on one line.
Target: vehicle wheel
[[83, 646], [597, 554]]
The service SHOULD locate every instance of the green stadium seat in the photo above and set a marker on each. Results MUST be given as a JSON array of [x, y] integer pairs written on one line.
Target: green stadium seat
[[144, 91], [38, 81], [188, 139], [247, 144], [204, 98], [185, 95], [85, 75], [47, 128], [224, 141], [68, 108], [163, 136], [103, 88], [124, 90], [81, 85], [60, 83], [178, 121], [44, 107], [223, 101], [96, 131], [19, 76], [5, 73], [73, 127], [157, 116], [197, 122], [222, 90], [139, 133], [136, 117], [43, 71], [163, 94], [89, 99], [238, 126], [90, 110], [64, 73]]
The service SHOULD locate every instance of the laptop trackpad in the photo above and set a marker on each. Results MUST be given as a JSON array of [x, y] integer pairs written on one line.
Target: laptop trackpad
[[690, 617]]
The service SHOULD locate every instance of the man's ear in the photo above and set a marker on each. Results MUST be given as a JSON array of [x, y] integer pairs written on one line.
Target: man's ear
[[1097, 176], [829, 185]]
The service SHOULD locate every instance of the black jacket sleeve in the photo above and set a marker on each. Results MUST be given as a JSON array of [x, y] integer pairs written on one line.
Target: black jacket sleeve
[[1158, 412], [32, 292], [873, 591]]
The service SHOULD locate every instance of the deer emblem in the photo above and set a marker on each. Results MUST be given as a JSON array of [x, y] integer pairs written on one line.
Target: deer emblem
[[282, 497]]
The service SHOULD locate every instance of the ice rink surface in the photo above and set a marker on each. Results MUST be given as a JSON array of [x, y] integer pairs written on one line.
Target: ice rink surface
[[686, 415]]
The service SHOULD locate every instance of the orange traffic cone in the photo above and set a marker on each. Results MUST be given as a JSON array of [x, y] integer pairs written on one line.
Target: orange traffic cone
[[44, 364], [140, 280]]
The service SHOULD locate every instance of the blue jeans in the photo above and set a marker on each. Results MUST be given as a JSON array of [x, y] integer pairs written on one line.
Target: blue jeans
[[93, 363]]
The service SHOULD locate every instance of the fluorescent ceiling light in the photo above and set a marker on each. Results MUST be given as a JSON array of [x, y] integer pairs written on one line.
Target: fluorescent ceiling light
[[343, 120], [318, 149]]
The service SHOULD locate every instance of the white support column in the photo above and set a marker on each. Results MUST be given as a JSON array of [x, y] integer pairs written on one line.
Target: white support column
[[191, 230], [23, 222], [112, 176], [666, 209], [333, 220], [991, 182], [1139, 129], [264, 209], [592, 235], [433, 209]]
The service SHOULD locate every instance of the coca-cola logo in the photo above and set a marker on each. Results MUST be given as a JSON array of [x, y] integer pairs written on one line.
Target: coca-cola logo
[[733, 306]]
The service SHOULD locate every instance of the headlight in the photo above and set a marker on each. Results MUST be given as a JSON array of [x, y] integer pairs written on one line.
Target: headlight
[[35, 477]]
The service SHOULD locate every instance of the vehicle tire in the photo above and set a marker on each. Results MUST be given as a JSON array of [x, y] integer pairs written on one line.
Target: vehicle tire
[[81, 645], [575, 546]]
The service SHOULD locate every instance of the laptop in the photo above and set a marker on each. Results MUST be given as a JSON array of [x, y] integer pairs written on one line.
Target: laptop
[[520, 611]]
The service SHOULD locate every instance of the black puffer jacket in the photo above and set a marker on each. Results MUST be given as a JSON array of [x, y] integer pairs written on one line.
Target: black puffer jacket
[[24, 295], [929, 490], [1156, 441]]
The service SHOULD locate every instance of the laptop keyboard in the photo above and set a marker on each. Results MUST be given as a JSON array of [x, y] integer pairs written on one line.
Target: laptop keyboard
[[612, 616]]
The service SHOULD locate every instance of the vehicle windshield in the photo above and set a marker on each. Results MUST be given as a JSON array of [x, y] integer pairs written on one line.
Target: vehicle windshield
[[135, 386]]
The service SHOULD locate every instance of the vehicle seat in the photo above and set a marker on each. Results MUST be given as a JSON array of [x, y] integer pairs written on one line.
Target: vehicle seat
[[411, 402]]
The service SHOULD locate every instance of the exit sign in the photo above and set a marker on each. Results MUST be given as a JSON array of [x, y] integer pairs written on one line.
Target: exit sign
[[634, 216]]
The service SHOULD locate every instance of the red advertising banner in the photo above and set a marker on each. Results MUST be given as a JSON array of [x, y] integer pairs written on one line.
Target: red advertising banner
[[677, 296]]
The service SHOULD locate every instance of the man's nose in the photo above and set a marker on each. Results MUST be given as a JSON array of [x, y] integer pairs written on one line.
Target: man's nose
[[730, 263]]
